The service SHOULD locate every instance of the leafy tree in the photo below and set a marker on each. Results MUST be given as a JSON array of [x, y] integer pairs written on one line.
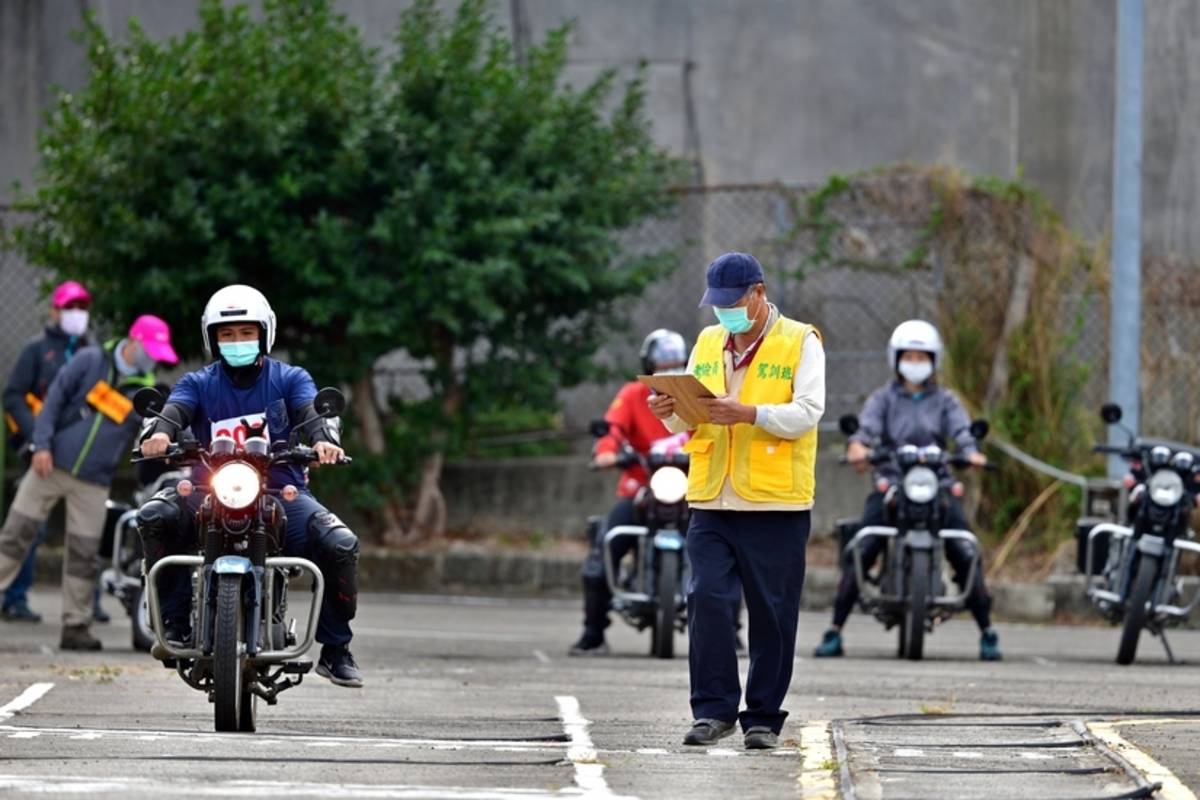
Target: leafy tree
[[450, 200]]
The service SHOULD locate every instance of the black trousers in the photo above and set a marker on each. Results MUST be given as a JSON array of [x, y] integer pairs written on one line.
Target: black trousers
[[597, 597], [958, 553], [758, 554]]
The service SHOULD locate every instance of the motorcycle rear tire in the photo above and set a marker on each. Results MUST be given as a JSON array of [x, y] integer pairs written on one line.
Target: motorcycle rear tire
[[1135, 614], [663, 635], [913, 626], [229, 656]]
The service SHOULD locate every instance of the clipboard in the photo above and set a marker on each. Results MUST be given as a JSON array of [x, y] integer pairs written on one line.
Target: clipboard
[[687, 391]]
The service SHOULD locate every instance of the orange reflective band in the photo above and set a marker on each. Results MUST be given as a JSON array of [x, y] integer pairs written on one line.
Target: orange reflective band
[[34, 402], [11, 422], [109, 402]]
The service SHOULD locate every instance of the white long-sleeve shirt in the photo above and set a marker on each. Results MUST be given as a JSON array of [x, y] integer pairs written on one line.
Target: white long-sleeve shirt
[[785, 420]]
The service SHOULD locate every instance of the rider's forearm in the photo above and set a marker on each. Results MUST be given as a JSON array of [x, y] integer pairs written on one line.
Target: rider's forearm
[[315, 427], [181, 415]]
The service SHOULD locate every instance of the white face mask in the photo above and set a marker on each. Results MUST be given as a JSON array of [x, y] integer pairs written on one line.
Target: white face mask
[[916, 372], [73, 321]]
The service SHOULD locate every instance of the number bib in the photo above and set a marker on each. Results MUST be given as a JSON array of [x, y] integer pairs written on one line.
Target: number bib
[[235, 428]]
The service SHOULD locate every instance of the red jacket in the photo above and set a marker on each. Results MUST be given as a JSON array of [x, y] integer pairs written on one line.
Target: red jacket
[[630, 420]]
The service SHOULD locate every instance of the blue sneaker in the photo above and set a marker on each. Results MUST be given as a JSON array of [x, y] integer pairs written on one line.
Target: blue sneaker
[[830, 646], [989, 646]]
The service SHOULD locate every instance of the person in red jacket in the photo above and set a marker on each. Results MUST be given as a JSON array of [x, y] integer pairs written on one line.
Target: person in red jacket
[[630, 423]]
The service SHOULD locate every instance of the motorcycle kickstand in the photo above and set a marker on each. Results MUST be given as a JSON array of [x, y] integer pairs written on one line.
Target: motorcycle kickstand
[[1162, 634]]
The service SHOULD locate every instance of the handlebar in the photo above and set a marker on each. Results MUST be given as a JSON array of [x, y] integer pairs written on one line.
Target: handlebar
[[299, 455]]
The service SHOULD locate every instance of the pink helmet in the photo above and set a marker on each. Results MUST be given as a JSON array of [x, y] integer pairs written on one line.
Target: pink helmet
[[155, 337], [69, 292]]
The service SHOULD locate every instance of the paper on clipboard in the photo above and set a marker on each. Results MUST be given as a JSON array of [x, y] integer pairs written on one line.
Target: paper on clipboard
[[687, 391]]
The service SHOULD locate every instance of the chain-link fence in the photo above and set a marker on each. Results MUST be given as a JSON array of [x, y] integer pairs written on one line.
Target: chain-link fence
[[868, 283]]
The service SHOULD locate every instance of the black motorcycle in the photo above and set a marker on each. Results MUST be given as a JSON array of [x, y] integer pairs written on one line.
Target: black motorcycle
[[650, 594], [1132, 570], [121, 549], [908, 591], [243, 647]]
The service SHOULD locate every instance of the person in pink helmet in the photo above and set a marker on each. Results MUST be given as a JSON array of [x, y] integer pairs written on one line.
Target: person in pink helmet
[[40, 360], [82, 434]]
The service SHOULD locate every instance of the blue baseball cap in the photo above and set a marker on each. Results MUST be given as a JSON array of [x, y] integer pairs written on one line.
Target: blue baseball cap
[[729, 277]]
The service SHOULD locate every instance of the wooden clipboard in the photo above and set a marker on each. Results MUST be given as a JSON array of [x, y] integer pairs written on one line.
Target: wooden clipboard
[[687, 391]]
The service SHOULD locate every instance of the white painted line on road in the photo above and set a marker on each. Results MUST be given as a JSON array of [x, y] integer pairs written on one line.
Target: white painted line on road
[[1032, 756], [966, 754], [589, 770], [25, 699], [267, 739], [542, 657], [24, 735], [1044, 662], [76, 785], [723, 752], [653, 751], [816, 780], [1154, 772], [909, 752]]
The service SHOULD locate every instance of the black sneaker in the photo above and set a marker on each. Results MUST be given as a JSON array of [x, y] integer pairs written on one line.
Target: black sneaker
[[708, 731], [337, 664], [760, 737], [589, 644], [21, 612], [177, 633]]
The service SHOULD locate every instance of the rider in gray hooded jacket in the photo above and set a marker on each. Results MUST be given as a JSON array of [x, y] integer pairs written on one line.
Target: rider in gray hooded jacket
[[912, 409]]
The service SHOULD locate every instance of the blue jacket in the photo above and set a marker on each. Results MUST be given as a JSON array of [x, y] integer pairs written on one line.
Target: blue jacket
[[85, 442], [214, 403], [39, 362]]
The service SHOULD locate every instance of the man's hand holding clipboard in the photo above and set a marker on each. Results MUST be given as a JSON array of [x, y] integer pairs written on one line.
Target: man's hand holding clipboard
[[686, 396]]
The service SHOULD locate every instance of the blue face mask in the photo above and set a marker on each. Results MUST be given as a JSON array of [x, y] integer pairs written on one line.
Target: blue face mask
[[239, 354], [735, 320]]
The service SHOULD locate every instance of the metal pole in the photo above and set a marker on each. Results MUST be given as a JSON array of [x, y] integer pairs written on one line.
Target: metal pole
[[1124, 365]]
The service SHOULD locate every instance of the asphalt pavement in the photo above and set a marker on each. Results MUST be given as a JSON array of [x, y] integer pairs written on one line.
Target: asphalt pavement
[[475, 698]]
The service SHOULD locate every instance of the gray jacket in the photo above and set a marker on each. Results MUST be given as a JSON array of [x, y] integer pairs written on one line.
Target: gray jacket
[[85, 442], [892, 416]]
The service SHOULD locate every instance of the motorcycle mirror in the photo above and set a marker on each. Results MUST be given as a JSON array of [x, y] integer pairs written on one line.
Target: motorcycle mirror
[[329, 402], [148, 401], [980, 428], [1110, 413], [848, 424], [598, 428]]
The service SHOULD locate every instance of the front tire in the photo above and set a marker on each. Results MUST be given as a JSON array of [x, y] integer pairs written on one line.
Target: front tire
[[663, 635], [913, 627], [142, 635], [1135, 613], [228, 655]]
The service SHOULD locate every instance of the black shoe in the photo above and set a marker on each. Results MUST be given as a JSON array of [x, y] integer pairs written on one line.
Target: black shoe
[[708, 731], [830, 646], [989, 646], [21, 612], [78, 637], [177, 633], [589, 644], [337, 664], [760, 737]]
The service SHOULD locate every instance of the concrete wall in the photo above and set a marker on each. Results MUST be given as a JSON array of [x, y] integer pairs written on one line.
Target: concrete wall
[[555, 496]]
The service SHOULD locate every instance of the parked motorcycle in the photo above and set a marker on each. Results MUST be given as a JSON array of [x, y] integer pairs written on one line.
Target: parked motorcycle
[[243, 647], [121, 547], [909, 591], [650, 594], [1132, 570]]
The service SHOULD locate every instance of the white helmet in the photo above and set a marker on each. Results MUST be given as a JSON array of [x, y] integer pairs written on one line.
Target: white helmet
[[915, 334], [662, 347], [237, 303]]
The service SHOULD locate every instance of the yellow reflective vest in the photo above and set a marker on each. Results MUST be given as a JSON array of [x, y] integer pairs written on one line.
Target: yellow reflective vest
[[763, 467]]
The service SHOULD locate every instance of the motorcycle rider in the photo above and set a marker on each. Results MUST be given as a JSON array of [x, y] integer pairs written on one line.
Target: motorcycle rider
[[30, 379], [912, 409], [80, 435], [244, 384], [630, 422]]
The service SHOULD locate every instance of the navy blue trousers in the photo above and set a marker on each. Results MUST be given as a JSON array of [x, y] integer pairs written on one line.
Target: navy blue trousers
[[332, 626], [758, 554]]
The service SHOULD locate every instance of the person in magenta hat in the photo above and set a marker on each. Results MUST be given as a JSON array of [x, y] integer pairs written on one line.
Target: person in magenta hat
[[83, 432], [40, 360]]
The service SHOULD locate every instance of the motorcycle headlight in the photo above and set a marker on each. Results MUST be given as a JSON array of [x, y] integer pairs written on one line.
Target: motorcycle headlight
[[920, 485], [669, 485], [1166, 488], [236, 485]]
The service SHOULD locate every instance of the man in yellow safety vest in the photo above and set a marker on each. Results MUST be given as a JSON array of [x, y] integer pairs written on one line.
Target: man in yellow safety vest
[[750, 487]]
